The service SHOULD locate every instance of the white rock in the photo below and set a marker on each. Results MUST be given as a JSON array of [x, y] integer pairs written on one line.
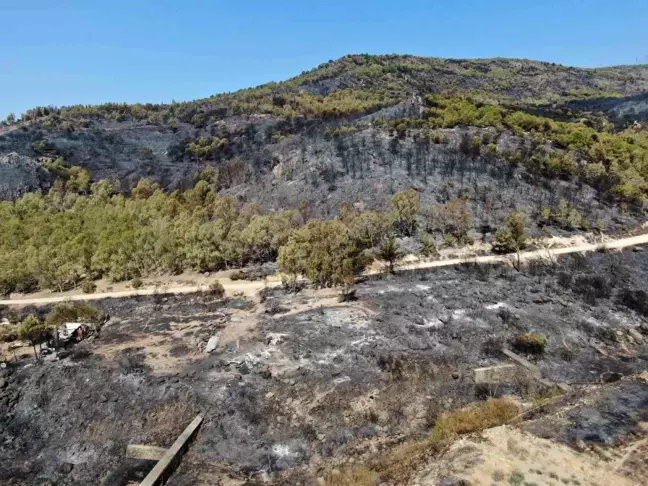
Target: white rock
[[636, 335], [212, 344]]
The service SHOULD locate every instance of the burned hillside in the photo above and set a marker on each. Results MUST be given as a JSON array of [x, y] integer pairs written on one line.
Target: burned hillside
[[301, 383]]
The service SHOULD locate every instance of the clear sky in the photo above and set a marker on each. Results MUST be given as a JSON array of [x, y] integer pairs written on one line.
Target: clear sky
[[63, 52]]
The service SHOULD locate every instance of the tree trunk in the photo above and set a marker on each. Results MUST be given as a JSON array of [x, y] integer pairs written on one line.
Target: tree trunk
[[35, 353]]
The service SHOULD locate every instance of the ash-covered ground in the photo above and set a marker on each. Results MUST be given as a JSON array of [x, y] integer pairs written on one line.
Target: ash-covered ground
[[300, 380]]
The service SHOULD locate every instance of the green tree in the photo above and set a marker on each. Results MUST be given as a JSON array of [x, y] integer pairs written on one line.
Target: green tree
[[428, 249], [78, 180], [513, 238], [325, 252], [404, 206], [32, 329], [145, 189], [389, 251]]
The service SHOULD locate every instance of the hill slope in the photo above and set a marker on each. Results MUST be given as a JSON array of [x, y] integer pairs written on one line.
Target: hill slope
[[469, 140], [274, 124]]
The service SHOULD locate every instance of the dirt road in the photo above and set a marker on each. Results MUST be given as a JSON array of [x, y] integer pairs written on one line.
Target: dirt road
[[251, 288]]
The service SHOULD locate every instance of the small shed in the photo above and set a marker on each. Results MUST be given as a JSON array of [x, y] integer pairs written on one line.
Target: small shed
[[72, 331]]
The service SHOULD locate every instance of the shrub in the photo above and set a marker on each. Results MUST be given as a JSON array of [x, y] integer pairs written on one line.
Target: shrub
[[137, 283], [532, 343], [216, 289], [264, 294], [237, 275], [636, 300], [592, 287], [428, 249], [89, 287], [513, 238]]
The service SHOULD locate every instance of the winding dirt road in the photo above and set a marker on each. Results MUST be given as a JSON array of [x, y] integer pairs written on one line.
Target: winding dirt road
[[251, 288]]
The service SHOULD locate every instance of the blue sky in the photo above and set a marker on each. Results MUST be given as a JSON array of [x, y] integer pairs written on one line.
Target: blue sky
[[69, 52]]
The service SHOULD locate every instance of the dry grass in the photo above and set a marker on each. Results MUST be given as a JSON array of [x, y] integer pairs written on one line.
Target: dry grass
[[356, 476], [475, 418], [401, 463]]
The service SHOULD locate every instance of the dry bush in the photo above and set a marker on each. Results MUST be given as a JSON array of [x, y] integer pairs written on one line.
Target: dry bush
[[216, 289], [89, 287], [637, 300], [237, 275]]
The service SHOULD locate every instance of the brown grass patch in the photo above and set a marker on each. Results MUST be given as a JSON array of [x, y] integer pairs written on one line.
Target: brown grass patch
[[475, 418], [355, 476], [401, 463]]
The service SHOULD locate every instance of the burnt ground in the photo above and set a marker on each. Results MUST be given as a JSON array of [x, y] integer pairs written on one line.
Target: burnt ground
[[305, 387]]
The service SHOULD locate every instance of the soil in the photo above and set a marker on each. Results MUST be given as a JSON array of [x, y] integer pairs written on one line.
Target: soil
[[301, 382]]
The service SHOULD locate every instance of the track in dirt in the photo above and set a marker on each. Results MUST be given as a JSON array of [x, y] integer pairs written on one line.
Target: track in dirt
[[253, 287]]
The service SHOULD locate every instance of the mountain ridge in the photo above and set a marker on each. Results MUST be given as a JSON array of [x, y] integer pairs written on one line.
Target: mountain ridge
[[360, 60]]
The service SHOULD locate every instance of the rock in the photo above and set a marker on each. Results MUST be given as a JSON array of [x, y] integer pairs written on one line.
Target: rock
[[506, 373], [66, 468], [212, 344], [207, 274], [266, 374], [637, 249], [269, 395], [636, 335], [610, 377], [421, 414], [3, 383], [455, 375], [244, 369]]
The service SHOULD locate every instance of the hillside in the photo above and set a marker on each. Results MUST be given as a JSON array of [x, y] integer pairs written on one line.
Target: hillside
[[389, 270], [281, 127], [358, 393], [437, 150]]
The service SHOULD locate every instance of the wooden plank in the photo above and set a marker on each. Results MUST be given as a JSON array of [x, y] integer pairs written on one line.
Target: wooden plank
[[535, 371], [169, 462], [148, 453]]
